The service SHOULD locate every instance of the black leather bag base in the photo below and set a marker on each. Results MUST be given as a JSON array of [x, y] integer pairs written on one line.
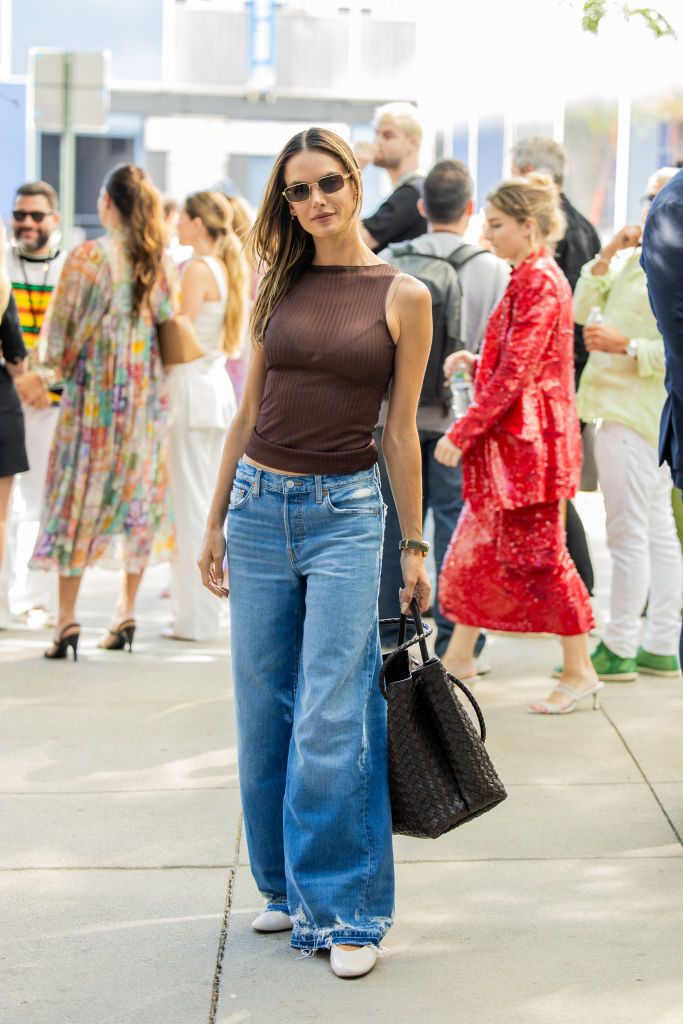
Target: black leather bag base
[[440, 773]]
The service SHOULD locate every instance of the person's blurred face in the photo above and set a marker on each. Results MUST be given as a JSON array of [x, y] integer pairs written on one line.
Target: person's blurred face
[[392, 145], [510, 239], [33, 232], [651, 193], [170, 226]]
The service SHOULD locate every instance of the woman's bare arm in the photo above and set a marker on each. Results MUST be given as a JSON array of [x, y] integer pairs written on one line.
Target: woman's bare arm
[[410, 322]]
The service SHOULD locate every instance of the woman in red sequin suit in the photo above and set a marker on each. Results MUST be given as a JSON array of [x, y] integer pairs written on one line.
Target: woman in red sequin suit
[[507, 566]]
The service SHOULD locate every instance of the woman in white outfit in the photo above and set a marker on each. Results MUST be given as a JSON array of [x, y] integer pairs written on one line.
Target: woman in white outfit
[[202, 398]]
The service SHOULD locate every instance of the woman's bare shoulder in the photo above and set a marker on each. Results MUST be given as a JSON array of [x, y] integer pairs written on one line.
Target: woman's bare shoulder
[[407, 293]]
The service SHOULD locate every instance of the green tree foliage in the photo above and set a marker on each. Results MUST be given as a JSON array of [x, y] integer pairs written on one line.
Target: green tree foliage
[[595, 10]]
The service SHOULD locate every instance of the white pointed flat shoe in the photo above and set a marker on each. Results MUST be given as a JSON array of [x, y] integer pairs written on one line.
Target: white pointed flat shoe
[[353, 963], [272, 921]]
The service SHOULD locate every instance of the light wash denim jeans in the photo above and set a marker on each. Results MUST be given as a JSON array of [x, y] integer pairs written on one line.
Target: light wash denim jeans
[[304, 558]]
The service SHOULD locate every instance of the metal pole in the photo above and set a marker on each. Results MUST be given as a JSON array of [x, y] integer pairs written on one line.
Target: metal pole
[[67, 155]]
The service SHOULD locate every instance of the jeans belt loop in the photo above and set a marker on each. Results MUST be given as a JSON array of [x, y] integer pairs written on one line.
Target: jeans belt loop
[[319, 490], [257, 483]]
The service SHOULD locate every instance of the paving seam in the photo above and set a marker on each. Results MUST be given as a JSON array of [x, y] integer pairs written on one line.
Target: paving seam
[[216, 989], [644, 777]]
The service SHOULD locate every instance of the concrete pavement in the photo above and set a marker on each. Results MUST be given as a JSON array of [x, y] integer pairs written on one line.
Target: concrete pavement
[[124, 873]]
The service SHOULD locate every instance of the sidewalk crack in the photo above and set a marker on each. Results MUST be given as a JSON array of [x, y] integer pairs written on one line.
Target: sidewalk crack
[[216, 989], [643, 775]]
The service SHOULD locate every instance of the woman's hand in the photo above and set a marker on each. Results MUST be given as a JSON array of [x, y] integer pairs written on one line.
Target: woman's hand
[[446, 452], [210, 562], [456, 361], [31, 390], [415, 581], [626, 238], [599, 338]]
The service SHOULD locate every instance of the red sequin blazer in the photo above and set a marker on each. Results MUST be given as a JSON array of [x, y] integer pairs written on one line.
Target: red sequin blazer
[[520, 438]]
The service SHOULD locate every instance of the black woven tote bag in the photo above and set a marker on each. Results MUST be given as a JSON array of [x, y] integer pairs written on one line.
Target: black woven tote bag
[[440, 774]]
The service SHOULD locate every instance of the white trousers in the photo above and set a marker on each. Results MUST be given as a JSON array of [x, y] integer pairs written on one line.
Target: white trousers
[[22, 588], [195, 459], [642, 540]]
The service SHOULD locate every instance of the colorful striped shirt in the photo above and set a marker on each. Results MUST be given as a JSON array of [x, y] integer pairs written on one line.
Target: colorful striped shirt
[[33, 281]]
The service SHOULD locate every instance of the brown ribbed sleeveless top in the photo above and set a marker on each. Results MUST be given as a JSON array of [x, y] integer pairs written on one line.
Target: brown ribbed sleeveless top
[[329, 358]]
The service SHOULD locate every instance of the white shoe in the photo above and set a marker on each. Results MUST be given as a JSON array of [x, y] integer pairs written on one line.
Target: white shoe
[[353, 963], [272, 921]]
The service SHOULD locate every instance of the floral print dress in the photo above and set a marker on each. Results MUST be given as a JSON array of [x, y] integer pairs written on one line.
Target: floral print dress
[[106, 493]]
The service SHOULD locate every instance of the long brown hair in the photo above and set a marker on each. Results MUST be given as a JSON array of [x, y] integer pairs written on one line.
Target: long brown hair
[[215, 213], [277, 240], [137, 201]]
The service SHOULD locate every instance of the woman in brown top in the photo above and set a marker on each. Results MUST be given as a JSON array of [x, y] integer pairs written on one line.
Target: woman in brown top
[[298, 481]]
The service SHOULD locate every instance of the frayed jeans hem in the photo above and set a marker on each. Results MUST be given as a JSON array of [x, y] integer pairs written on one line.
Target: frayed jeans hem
[[325, 938]]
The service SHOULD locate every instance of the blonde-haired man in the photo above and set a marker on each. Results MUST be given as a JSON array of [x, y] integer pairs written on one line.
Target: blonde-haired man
[[398, 136]]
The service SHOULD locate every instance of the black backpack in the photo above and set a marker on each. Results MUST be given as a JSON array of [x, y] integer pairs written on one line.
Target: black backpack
[[440, 275]]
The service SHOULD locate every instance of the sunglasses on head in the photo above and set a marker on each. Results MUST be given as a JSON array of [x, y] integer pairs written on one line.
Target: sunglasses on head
[[301, 191], [37, 215]]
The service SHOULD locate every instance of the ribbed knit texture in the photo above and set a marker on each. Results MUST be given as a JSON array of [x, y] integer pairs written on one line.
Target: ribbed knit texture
[[329, 358]]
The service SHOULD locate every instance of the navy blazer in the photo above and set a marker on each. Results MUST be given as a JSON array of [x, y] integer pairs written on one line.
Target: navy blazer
[[662, 261]]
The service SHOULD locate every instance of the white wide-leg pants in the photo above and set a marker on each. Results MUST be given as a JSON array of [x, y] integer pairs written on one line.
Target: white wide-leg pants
[[195, 459], [22, 588], [642, 540]]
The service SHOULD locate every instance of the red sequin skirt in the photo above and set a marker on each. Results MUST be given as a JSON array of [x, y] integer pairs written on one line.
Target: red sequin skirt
[[510, 570]]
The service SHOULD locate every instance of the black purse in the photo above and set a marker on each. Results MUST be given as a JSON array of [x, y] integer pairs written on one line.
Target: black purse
[[440, 774]]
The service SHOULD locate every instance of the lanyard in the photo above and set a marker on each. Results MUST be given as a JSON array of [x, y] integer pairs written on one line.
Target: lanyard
[[46, 271]]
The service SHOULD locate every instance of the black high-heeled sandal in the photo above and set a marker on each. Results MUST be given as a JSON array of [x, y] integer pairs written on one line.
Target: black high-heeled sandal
[[117, 639], [61, 645]]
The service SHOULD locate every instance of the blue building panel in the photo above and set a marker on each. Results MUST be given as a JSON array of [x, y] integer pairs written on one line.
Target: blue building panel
[[13, 163], [131, 29], [490, 162]]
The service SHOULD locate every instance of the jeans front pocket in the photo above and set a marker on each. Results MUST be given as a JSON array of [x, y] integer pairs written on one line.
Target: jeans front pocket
[[240, 494], [356, 499]]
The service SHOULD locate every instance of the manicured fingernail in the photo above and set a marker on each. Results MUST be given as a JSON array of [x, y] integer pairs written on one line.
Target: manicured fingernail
[[405, 607]]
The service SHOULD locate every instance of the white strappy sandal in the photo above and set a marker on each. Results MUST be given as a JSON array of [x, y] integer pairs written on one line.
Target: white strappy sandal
[[546, 707]]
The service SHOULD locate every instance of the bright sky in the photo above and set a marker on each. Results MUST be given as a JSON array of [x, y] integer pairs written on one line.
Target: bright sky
[[527, 55]]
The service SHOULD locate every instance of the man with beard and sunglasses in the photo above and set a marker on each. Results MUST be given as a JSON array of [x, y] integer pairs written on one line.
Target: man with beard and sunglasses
[[34, 264]]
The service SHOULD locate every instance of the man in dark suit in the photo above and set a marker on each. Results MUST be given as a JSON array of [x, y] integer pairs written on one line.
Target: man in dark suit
[[662, 261]]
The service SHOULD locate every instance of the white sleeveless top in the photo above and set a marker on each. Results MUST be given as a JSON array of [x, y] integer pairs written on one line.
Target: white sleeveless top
[[201, 393], [208, 323]]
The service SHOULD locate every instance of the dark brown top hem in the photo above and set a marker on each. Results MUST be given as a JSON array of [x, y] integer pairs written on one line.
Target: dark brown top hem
[[298, 460]]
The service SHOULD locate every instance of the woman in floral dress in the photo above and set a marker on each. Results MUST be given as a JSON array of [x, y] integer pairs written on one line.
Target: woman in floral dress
[[106, 489]]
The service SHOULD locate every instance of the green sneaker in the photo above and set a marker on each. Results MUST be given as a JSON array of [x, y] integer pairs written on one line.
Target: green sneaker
[[657, 664], [611, 667]]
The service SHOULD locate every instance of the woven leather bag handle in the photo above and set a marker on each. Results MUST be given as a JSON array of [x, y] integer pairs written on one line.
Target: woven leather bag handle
[[423, 631]]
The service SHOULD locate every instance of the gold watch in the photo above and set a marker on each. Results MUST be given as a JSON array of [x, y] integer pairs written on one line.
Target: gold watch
[[417, 545]]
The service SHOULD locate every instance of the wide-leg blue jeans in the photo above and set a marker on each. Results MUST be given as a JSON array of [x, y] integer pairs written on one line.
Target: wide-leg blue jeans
[[304, 556]]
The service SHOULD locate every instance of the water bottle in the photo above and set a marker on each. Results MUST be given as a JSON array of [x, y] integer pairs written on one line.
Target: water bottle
[[461, 394], [595, 316]]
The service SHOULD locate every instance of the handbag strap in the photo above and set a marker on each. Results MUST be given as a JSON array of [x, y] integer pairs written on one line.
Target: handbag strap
[[423, 631]]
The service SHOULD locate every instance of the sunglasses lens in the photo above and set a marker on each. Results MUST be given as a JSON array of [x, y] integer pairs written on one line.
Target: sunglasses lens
[[331, 183], [21, 215], [297, 193]]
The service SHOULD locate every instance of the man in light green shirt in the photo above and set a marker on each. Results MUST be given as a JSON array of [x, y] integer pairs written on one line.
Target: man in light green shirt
[[622, 387]]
